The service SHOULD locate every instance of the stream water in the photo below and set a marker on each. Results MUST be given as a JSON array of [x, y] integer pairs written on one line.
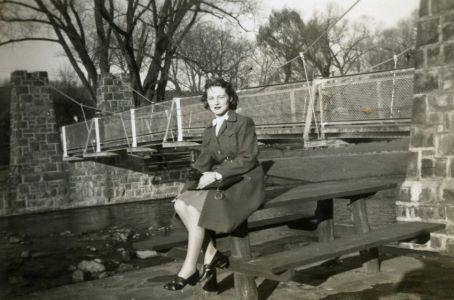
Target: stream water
[[40, 251]]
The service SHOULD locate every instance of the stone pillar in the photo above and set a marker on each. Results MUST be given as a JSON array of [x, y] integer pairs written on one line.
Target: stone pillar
[[36, 174], [94, 182], [428, 191], [114, 94]]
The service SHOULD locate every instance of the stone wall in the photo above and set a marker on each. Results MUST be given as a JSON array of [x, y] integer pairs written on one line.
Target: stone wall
[[36, 169], [95, 183], [39, 179], [114, 94], [428, 192]]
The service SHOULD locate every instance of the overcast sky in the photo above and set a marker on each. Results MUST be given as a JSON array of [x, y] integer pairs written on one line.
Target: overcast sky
[[41, 56]]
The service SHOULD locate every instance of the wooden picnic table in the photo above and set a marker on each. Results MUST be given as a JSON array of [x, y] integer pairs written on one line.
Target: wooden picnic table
[[280, 266]]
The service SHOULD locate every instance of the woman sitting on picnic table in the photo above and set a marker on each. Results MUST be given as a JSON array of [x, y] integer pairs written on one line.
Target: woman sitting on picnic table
[[229, 151]]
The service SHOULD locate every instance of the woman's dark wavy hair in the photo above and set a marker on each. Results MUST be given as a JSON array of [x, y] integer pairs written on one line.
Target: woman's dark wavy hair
[[233, 97]]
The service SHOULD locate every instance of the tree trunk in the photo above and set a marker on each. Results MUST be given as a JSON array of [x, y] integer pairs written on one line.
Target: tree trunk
[[161, 89], [103, 46]]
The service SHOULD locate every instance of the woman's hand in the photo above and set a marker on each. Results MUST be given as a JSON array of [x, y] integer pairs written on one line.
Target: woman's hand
[[206, 179]]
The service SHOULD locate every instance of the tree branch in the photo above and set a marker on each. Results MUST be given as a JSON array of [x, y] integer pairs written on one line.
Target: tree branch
[[24, 20], [28, 39], [105, 14], [70, 55], [223, 11], [139, 15], [79, 22]]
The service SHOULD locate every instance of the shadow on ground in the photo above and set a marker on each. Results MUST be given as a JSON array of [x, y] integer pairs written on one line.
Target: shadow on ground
[[431, 278], [434, 280]]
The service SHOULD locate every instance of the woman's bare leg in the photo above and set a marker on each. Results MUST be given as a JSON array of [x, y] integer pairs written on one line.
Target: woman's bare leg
[[190, 217]]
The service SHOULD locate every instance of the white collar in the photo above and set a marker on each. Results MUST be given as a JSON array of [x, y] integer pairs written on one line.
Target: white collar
[[219, 120]]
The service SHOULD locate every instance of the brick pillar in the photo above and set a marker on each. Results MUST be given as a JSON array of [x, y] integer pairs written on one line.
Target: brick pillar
[[36, 175], [114, 94], [428, 191]]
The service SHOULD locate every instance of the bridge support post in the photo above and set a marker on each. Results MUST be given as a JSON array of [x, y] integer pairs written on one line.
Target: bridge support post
[[133, 128], [179, 119]]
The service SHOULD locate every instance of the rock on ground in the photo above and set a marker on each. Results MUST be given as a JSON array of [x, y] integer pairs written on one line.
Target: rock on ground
[[91, 266], [146, 254]]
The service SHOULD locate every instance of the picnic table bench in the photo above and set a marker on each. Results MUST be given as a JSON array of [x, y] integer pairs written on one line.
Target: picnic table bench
[[280, 266]]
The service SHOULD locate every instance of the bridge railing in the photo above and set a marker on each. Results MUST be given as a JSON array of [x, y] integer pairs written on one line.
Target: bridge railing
[[374, 96], [277, 110]]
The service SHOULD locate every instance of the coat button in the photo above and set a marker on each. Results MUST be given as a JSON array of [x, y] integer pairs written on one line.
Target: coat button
[[219, 152]]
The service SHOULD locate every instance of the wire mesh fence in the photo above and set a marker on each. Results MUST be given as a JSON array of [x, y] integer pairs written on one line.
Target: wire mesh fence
[[378, 96], [370, 97], [80, 136]]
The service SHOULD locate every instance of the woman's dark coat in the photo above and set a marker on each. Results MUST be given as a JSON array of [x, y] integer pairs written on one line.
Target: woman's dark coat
[[235, 149]]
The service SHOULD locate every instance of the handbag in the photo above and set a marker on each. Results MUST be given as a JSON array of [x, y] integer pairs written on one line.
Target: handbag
[[219, 185]]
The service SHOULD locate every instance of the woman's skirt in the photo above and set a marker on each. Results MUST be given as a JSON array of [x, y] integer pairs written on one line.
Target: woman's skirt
[[194, 198]]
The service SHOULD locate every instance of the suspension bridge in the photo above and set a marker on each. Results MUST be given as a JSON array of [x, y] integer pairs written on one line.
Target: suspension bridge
[[362, 106]]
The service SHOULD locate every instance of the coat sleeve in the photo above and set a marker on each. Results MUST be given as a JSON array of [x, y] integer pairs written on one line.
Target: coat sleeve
[[205, 161], [246, 158]]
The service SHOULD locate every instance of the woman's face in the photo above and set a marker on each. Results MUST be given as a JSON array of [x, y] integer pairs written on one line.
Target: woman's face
[[218, 100]]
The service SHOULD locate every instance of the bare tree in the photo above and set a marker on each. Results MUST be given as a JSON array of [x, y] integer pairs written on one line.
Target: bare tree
[[286, 35], [140, 36], [212, 51], [399, 39], [262, 67], [68, 23], [349, 42], [330, 46], [282, 37], [66, 75]]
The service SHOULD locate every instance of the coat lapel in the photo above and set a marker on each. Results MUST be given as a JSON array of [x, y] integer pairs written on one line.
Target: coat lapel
[[223, 126], [227, 123]]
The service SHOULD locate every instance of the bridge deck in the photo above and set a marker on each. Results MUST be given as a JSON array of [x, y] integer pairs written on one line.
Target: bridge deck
[[373, 105]]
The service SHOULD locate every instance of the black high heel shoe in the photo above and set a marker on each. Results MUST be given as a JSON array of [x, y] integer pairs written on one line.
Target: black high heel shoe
[[219, 261], [179, 282]]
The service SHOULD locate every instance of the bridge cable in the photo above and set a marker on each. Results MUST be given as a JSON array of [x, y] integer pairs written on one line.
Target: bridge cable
[[132, 89], [136, 91], [318, 38], [388, 60], [82, 106]]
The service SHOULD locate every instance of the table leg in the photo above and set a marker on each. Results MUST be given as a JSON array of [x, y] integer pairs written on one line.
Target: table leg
[[245, 287], [324, 215], [370, 257]]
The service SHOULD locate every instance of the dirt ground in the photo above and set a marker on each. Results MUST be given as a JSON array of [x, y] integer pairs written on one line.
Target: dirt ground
[[405, 275]]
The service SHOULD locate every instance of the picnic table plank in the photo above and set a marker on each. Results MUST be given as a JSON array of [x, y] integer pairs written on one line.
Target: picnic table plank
[[180, 237], [279, 262], [329, 190]]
